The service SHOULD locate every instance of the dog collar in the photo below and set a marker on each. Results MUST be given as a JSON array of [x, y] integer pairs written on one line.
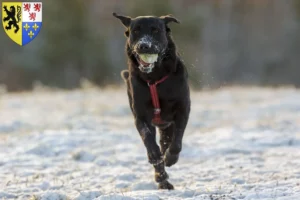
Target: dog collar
[[155, 101]]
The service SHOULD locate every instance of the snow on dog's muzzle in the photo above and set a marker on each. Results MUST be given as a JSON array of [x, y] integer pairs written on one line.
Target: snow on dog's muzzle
[[146, 54]]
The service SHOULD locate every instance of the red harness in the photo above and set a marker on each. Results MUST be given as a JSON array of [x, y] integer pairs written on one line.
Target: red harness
[[155, 101]]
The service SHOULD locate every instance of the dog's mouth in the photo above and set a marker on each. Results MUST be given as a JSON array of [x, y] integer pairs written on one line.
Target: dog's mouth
[[146, 62]]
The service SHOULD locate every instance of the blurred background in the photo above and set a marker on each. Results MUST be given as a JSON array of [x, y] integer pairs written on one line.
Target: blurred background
[[223, 42]]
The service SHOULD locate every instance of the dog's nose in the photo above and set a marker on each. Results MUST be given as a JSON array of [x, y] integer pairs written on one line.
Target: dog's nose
[[144, 46]]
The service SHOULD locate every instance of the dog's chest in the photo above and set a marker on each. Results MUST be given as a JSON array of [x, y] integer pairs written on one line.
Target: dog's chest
[[167, 103]]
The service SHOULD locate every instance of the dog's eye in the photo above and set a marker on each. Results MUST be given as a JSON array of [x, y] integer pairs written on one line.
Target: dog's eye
[[154, 30], [137, 30]]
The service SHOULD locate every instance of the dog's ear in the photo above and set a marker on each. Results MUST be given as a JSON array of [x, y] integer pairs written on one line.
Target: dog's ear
[[169, 18], [124, 19]]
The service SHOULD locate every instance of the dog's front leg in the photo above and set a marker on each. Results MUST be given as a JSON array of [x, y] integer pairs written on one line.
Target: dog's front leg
[[148, 135]]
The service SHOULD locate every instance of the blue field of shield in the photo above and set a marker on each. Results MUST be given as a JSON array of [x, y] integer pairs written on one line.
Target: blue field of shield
[[29, 31]]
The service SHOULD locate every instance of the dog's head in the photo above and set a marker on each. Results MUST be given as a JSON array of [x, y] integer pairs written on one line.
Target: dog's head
[[147, 38]]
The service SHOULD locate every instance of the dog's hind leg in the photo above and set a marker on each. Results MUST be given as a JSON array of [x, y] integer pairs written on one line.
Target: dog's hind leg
[[166, 136], [181, 119], [148, 135]]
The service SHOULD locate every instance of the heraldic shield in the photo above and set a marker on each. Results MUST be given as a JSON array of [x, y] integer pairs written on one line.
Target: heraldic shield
[[22, 21]]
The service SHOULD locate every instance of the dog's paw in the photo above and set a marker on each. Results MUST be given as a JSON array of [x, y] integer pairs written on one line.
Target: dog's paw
[[165, 185], [170, 159]]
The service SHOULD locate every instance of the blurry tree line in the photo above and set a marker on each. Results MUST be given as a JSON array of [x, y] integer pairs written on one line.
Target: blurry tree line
[[223, 42]]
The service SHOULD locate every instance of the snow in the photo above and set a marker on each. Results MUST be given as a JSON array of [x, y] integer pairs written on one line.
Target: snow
[[240, 143]]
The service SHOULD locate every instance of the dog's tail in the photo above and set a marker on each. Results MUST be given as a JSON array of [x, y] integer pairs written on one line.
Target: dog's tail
[[125, 74]]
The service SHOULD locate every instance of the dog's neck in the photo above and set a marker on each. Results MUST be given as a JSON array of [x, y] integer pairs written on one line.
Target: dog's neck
[[165, 65]]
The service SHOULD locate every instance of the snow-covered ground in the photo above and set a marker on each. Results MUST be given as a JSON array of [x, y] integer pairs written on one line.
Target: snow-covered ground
[[240, 144]]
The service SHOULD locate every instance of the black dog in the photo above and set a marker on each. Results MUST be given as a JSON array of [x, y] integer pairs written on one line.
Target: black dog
[[158, 92]]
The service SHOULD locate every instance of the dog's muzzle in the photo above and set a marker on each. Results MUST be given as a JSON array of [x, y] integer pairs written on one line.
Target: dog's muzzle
[[146, 53]]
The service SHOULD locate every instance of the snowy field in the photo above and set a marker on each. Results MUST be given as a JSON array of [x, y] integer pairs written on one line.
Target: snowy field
[[82, 145]]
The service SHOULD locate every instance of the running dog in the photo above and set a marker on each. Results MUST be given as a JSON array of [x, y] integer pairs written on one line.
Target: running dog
[[157, 88]]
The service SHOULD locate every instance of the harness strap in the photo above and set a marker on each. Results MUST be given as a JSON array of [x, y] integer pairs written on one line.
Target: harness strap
[[155, 101]]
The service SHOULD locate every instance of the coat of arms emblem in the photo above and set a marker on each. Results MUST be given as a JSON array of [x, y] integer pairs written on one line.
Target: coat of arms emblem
[[22, 21]]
